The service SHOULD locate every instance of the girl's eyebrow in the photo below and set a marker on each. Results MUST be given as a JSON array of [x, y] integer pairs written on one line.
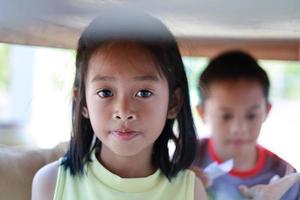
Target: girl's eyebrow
[[136, 78], [146, 78], [102, 78]]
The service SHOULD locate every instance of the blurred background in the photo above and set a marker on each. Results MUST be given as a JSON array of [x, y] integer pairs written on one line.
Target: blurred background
[[37, 56]]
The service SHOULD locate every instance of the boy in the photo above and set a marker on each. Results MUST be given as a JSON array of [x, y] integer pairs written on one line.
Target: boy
[[234, 103]]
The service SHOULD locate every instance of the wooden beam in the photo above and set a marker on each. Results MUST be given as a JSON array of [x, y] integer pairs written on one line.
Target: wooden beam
[[261, 49], [37, 33], [52, 35]]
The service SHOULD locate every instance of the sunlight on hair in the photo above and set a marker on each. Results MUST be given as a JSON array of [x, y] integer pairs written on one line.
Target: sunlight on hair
[[171, 143], [176, 129], [171, 148]]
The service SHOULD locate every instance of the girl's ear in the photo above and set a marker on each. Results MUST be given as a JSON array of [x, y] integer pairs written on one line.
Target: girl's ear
[[201, 112], [84, 111], [176, 102]]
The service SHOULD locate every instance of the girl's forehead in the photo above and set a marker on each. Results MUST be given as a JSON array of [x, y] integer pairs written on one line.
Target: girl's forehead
[[116, 51], [123, 58]]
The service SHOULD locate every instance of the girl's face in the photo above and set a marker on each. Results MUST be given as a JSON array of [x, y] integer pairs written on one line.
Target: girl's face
[[127, 99]]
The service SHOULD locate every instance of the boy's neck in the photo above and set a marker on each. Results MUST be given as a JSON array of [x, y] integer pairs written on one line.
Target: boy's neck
[[242, 161], [247, 161], [126, 166]]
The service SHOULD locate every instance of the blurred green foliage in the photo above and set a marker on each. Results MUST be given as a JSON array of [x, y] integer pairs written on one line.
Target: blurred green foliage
[[4, 66], [284, 75], [285, 78]]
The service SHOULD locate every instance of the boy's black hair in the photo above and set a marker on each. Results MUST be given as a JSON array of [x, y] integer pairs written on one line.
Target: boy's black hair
[[232, 66], [150, 33]]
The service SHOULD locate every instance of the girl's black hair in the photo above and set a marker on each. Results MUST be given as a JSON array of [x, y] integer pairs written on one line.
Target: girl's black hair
[[150, 33], [232, 65]]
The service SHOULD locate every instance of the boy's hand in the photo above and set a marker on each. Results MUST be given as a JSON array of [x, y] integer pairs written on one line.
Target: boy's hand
[[273, 191], [201, 175]]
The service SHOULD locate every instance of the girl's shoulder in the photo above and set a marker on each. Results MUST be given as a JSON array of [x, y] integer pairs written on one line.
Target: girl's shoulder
[[196, 186], [44, 181], [199, 190]]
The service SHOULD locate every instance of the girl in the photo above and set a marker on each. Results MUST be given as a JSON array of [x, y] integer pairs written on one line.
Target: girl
[[130, 87]]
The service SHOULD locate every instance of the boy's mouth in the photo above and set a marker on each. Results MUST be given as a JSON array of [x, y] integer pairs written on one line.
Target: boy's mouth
[[239, 142]]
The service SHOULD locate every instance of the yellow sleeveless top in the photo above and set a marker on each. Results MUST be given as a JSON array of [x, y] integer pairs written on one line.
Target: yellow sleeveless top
[[100, 184]]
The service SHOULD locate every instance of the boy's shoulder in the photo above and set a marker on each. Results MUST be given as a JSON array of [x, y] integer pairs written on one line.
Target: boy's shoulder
[[202, 158], [275, 162], [272, 162], [44, 181], [202, 145]]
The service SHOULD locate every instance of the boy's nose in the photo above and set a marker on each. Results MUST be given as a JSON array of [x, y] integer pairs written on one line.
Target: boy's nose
[[239, 127]]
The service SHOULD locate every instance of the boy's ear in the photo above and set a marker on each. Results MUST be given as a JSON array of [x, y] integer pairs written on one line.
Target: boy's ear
[[175, 104], [84, 111], [201, 112], [269, 107]]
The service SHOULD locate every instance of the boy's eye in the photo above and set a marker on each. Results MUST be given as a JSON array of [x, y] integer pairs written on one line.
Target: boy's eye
[[226, 117], [104, 93], [144, 93], [251, 116]]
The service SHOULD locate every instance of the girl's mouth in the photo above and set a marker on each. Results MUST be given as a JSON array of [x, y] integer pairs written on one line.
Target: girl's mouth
[[125, 135]]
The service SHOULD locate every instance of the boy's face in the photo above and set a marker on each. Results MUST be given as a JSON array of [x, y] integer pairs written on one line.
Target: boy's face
[[235, 111]]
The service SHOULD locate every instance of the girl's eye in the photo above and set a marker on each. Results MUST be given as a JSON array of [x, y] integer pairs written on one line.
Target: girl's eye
[[104, 93], [144, 93]]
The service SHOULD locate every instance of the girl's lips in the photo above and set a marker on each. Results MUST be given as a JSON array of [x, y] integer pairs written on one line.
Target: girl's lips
[[125, 135]]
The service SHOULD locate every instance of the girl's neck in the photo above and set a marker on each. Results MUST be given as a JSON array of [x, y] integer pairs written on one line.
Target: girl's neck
[[135, 166]]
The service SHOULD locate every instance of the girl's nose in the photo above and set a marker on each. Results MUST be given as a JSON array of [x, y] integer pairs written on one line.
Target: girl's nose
[[124, 116], [124, 110]]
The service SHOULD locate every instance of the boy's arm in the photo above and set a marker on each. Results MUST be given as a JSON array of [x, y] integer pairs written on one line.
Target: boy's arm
[[44, 181], [199, 193], [272, 191], [200, 174]]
